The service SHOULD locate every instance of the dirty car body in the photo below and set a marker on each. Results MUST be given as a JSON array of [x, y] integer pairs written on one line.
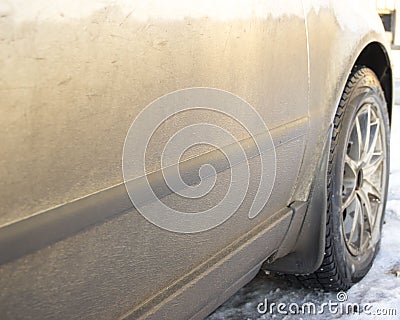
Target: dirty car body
[[74, 76]]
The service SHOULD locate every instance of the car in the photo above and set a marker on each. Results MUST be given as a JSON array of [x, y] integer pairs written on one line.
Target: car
[[156, 155]]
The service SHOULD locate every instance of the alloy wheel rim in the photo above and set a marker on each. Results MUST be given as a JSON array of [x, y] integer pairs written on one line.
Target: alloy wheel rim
[[363, 180]]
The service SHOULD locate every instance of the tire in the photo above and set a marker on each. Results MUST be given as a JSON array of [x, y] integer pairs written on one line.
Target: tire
[[357, 184]]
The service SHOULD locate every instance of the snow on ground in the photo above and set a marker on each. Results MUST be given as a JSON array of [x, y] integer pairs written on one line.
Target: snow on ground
[[380, 288]]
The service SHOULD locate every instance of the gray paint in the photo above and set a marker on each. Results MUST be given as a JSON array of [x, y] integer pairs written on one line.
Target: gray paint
[[55, 224], [67, 103]]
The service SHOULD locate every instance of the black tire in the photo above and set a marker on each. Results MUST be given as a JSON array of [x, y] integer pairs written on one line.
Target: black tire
[[344, 264]]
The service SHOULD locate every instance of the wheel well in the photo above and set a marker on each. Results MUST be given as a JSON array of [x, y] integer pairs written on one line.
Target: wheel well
[[375, 57]]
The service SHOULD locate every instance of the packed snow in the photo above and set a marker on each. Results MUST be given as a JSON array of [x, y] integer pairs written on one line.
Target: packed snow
[[377, 295]]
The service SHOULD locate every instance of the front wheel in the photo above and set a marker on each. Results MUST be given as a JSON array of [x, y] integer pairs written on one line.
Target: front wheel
[[357, 184]]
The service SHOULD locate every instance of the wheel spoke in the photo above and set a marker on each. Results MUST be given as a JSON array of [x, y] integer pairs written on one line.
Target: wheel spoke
[[366, 206], [373, 138], [349, 199], [352, 164], [359, 138], [355, 221], [361, 227], [373, 165], [372, 189], [367, 134]]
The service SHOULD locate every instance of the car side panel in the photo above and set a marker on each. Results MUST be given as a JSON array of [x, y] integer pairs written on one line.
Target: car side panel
[[73, 78]]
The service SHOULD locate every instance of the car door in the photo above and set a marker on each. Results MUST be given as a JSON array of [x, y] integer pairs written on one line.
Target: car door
[[74, 79]]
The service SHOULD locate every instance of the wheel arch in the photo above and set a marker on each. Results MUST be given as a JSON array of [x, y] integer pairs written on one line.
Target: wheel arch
[[375, 57], [308, 251]]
